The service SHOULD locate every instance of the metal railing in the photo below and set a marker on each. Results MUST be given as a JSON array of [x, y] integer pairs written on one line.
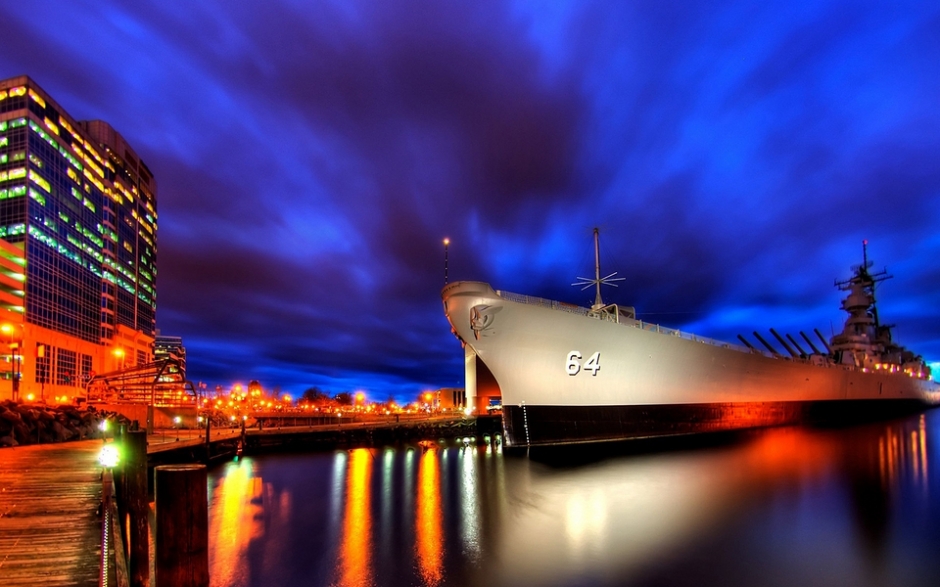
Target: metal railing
[[624, 321], [652, 327]]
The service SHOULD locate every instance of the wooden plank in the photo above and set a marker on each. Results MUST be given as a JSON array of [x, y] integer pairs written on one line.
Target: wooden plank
[[49, 531]]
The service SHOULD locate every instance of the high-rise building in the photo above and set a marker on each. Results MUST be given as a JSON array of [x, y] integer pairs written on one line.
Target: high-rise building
[[170, 347], [78, 248]]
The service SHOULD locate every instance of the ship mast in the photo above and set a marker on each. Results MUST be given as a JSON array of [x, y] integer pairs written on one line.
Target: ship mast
[[598, 302], [863, 340], [598, 280]]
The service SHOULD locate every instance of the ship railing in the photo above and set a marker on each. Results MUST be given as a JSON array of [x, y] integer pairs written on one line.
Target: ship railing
[[648, 326], [534, 301]]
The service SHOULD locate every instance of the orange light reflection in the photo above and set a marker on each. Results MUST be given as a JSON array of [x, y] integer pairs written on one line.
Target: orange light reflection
[[898, 459], [355, 549], [237, 522], [428, 519]]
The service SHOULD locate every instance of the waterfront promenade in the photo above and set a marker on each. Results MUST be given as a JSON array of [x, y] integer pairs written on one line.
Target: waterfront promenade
[[50, 533]]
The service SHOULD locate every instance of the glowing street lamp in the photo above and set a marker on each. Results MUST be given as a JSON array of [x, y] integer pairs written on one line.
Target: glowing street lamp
[[109, 457], [119, 353], [446, 244]]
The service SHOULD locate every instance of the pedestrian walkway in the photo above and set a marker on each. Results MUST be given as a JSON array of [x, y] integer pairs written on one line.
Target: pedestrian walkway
[[169, 439], [50, 533]]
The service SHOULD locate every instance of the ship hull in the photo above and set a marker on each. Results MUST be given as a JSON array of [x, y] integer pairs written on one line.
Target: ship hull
[[539, 425], [568, 377]]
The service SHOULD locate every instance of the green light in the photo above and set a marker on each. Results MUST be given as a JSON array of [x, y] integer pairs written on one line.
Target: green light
[[109, 456]]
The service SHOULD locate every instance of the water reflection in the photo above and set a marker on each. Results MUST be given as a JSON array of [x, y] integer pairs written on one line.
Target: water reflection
[[355, 560], [236, 521], [428, 519], [806, 507], [899, 456]]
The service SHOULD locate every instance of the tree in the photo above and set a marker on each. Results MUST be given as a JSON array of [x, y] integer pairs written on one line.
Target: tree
[[314, 396], [343, 398]]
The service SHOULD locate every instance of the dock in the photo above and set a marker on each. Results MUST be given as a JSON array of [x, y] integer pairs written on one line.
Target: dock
[[50, 533]]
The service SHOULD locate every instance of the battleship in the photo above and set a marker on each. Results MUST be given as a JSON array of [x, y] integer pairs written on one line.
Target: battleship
[[568, 374]]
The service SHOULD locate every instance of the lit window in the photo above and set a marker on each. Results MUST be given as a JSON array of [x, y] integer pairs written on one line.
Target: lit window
[[37, 98], [51, 125], [40, 181], [15, 173]]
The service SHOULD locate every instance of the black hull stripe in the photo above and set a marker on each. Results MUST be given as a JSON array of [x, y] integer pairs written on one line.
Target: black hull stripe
[[532, 425]]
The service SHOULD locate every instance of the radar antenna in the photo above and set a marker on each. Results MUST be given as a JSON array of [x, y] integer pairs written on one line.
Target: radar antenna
[[598, 280], [866, 280]]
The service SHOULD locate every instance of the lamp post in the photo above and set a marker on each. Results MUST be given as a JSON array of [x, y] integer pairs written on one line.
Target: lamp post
[[446, 244]]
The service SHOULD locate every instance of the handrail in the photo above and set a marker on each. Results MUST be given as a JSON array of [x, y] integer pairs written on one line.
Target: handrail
[[652, 327], [648, 326]]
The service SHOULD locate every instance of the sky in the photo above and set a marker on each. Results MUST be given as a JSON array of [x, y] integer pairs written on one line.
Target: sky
[[312, 156]]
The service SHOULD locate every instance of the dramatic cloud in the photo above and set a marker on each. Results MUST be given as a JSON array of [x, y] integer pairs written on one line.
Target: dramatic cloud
[[311, 156]]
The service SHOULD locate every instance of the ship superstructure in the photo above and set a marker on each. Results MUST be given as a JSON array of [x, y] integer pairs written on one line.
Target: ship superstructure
[[864, 342], [570, 374]]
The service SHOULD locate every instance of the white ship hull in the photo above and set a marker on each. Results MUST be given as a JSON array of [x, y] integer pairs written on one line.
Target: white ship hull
[[569, 377]]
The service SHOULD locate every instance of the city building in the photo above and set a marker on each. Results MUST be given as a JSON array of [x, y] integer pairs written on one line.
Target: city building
[[452, 398], [78, 249], [170, 347]]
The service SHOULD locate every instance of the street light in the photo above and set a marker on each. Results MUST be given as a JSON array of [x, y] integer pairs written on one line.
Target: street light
[[446, 244]]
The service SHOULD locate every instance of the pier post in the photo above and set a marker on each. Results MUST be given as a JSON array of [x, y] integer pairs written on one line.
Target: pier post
[[208, 439], [135, 501], [182, 537], [104, 566]]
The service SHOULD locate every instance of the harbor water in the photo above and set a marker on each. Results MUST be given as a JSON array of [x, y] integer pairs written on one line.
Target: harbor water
[[794, 506]]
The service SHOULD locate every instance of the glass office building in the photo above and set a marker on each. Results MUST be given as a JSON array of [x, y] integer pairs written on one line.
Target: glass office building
[[78, 248]]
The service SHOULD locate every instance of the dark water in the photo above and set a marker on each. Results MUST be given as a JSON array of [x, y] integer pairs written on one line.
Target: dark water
[[791, 506]]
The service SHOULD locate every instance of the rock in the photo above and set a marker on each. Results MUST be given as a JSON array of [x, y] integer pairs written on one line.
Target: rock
[[22, 434], [7, 441]]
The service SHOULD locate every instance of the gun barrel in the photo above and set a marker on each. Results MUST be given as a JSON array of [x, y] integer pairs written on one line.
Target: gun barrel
[[825, 344], [802, 352], [772, 350], [810, 343], [747, 344], [784, 343]]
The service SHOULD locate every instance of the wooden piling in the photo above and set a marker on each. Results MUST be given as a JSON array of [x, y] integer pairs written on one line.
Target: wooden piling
[[182, 536], [136, 506]]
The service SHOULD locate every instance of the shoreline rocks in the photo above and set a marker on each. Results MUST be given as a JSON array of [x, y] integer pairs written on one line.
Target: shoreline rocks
[[35, 423]]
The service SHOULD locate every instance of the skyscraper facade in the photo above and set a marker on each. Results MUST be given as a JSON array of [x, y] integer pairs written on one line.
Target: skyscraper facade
[[78, 246]]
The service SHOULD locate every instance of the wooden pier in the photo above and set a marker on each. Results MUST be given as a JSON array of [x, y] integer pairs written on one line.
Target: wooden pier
[[50, 533]]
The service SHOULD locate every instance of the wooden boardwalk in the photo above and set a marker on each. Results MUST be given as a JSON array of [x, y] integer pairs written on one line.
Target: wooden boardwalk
[[49, 531]]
